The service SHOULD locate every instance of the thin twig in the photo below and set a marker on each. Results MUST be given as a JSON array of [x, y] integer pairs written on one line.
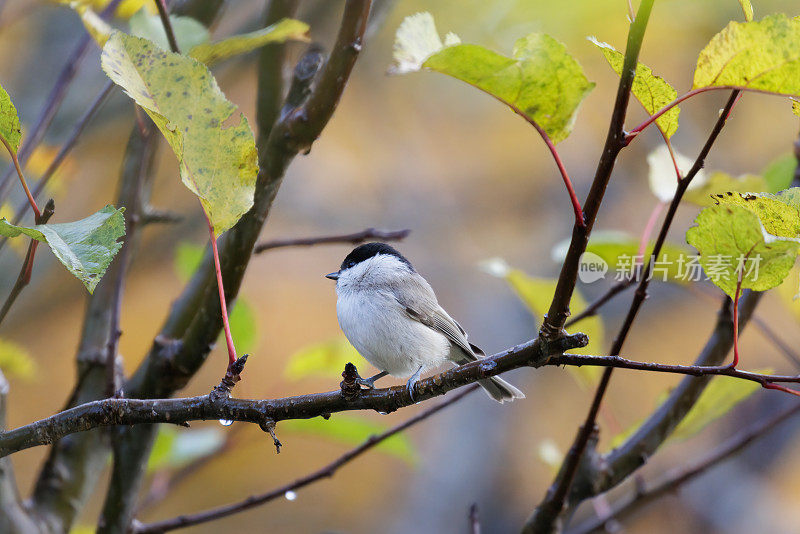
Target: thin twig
[[13, 154], [54, 100], [692, 370], [24, 276], [601, 301], [326, 472], [573, 198], [652, 118], [162, 12], [135, 208], [354, 238], [773, 337], [68, 145], [676, 478]]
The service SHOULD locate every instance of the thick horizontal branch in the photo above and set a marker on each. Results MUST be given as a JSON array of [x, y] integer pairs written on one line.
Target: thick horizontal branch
[[354, 238], [109, 412]]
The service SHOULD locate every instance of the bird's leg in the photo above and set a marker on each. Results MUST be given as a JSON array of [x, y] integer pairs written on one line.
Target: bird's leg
[[369, 383], [413, 382]]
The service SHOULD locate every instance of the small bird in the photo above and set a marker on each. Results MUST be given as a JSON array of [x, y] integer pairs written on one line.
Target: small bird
[[390, 314]]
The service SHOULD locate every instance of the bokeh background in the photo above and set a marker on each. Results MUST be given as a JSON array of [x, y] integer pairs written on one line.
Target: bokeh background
[[472, 181]]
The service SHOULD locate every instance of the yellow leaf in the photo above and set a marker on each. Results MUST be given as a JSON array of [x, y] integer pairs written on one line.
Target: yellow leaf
[[15, 360], [211, 138], [323, 359]]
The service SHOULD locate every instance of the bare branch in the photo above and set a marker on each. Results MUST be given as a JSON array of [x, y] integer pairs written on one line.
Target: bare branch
[[24, 277], [552, 506], [112, 412], [634, 452], [354, 238], [53, 101], [161, 6], [14, 517], [75, 462], [328, 471], [674, 479], [615, 142], [195, 321]]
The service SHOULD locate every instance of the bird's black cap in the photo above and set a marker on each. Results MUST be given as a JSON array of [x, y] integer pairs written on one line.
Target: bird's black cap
[[368, 250]]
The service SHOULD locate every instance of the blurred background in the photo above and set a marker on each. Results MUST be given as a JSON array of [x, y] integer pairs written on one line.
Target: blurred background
[[472, 181]]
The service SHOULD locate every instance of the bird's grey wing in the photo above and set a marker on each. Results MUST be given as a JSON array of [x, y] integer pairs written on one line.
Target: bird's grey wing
[[420, 304]]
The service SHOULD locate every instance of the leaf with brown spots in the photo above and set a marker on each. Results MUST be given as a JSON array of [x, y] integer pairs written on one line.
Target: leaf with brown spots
[[212, 140]]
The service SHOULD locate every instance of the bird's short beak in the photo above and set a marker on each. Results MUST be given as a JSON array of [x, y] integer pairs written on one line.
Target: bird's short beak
[[333, 276]]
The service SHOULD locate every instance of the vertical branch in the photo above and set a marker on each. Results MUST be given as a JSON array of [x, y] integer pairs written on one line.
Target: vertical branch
[[162, 12], [75, 462], [14, 518], [615, 142], [557, 494], [547, 514], [15, 160]]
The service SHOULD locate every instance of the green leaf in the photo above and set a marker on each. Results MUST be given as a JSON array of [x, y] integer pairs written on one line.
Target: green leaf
[[652, 91], [85, 247], [780, 172], [10, 127], [244, 325], [212, 140], [721, 182], [747, 9], [188, 31], [541, 81], [173, 448], [353, 431], [322, 359], [722, 395], [536, 294], [15, 360], [730, 238], [662, 177], [762, 55], [283, 30]]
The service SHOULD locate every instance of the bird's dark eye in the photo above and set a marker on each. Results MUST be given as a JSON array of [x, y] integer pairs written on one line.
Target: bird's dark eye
[[350, 264]]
